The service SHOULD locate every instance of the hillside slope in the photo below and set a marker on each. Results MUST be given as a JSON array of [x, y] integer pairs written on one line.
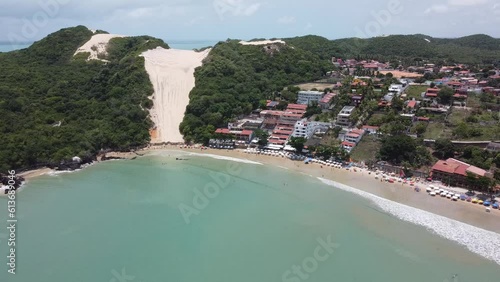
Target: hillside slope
[[55, 106]]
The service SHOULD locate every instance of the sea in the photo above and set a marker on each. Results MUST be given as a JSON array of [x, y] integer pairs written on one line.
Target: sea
[[175, 44], [201, 218]]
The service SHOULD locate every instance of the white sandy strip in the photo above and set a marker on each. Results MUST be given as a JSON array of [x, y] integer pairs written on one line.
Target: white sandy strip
[[225, 158], [172, 74], [264, 42], [482, 242], [99, 42]]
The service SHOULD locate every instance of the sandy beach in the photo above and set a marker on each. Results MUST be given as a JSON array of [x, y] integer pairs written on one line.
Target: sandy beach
[[465, 212], [172, 75]]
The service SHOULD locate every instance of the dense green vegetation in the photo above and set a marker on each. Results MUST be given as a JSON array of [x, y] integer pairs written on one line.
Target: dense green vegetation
[[235, 78], [410, 49], [55, 106]]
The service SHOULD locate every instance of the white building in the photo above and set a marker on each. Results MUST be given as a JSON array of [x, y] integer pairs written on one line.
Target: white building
[[354, 136], [307, 97], [397, 89], [306, 129], [344, 117]]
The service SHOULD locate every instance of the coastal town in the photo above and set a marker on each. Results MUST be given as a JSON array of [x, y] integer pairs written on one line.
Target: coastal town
[[365, 112]]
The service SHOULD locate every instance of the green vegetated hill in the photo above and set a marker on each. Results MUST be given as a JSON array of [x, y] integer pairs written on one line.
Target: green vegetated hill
[[99, 105], [474, 49], [235, 77]]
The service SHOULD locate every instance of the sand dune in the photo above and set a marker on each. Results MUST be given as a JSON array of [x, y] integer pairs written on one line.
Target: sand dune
[[264, 42], [97, 45], [172, 75]]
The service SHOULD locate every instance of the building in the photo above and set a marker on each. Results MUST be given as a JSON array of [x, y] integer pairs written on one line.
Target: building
[[397, 89], [344, 117], [354, 136], [371, 129], [348, 146], [240, 135], [308, 97], [357, 100], [325, 102], [432, 93], [306, 129], [454, 172]]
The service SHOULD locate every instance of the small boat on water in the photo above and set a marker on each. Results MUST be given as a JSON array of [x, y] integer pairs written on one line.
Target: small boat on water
[[487, 203], [433, 194], [474, 201], [495, 206], [469, 199], [480, 202]]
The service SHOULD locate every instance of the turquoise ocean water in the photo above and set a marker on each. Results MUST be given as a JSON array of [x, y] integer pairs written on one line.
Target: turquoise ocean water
[[203, 219]]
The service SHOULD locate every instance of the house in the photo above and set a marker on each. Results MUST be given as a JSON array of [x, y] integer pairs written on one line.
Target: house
[[454, 172], [357, 100], [348, 146], [412, 105], [290, 118], [432, 93], [344, 117], [371, 129], [354, 136], [308, 97], [325, 102], [241, 135], [397, 89], [271, 105], [296, 109]]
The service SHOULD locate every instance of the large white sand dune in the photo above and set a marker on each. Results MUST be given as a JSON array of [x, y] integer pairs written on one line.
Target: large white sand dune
[[172, 75], [264, 42], [97, 45]]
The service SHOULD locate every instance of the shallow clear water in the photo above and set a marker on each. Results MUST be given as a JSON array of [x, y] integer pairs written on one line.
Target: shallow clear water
[[124, 221]]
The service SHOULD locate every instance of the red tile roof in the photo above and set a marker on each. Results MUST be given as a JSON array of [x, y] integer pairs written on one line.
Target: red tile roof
[[412, 104], [348, 144], [222, 131], [431, 94], [296, 107]]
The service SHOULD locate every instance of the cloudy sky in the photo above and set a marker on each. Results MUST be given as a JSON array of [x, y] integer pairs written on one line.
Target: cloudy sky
[[247, 19]]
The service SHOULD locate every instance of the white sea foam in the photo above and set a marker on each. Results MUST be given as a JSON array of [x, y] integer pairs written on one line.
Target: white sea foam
[[225, 158], [482, 242]]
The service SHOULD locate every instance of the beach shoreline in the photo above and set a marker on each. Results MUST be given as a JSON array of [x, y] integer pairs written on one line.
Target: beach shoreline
[[465, 212], [363, 180]]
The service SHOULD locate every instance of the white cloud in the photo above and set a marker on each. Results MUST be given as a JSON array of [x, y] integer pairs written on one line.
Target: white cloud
[[308, 26], [439, 9], [252, 9], [467, 2], [286, 20]]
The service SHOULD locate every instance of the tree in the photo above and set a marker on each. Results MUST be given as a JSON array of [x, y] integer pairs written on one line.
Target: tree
[[420, 128], [397, 148], [297, 143], [312, 109], [444, 149], [263, 137], [445, 95]]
